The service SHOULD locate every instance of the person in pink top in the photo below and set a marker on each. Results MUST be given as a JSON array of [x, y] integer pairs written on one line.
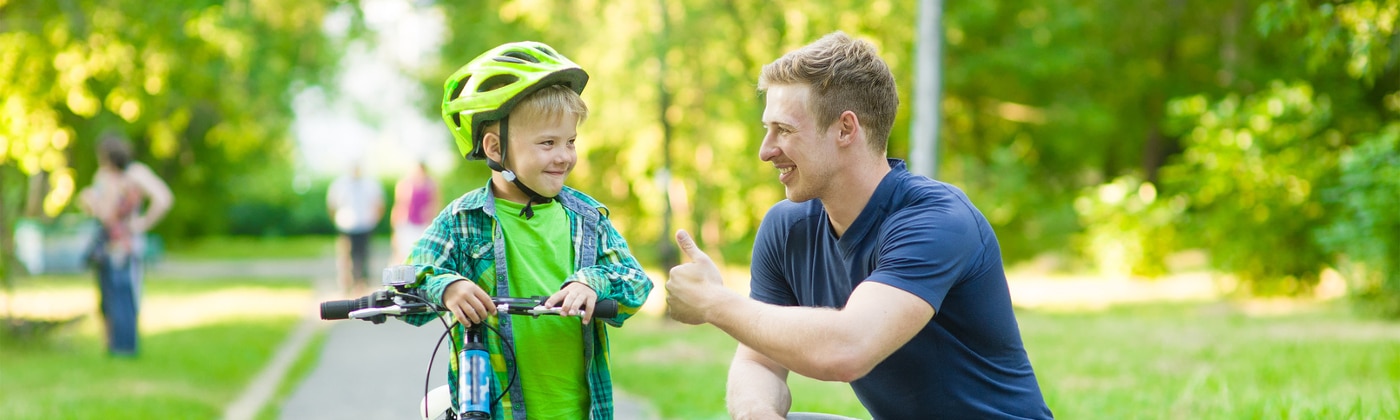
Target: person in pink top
[[415, 204]]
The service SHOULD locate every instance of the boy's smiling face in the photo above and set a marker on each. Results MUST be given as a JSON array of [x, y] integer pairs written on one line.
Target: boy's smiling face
[[541, 155]]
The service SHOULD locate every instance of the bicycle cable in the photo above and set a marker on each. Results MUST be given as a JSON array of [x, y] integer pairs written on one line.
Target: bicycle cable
[[447, 329], [427, 379]]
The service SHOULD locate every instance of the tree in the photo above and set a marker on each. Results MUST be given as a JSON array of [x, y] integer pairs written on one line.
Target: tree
[[1282, 182], [201, 86]]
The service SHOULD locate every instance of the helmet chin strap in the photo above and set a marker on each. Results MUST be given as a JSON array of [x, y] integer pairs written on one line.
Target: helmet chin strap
[[535, 197]]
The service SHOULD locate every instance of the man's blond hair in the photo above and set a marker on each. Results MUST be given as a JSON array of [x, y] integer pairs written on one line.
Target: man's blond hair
[[845, 74]]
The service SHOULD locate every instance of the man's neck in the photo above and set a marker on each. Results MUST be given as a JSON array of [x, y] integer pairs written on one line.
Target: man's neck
[[847, 199]]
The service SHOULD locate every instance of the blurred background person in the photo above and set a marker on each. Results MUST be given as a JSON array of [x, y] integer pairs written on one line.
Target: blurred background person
[[120, 189], [416, 201], [356, 203]]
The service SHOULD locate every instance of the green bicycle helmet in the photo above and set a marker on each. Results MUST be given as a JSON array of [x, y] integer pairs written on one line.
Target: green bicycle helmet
[[487, 88]]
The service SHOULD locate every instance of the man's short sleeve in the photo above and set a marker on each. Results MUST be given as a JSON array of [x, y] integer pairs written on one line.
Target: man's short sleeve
[[926, 251], [769, 284]]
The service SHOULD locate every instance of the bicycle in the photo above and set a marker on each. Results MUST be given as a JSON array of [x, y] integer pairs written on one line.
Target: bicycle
[[474, 363]]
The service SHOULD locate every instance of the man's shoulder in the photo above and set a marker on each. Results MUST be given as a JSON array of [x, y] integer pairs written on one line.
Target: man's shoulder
[[927, 204], [787, 210], [787, 219], [918, 190]]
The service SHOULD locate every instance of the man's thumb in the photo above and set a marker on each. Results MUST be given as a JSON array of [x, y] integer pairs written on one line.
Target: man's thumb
[[688, 246]]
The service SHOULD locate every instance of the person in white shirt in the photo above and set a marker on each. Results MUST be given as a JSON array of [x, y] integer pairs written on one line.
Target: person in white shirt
[[355, 203]]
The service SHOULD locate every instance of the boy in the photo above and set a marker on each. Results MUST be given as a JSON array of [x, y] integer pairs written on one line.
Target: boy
[[526, 234]]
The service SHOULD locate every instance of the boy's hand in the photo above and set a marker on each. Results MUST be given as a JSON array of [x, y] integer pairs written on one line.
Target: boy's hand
[[468, 302], [575, 298]]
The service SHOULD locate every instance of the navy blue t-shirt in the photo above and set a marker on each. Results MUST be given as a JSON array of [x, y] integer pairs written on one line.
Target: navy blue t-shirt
[[926, 238]]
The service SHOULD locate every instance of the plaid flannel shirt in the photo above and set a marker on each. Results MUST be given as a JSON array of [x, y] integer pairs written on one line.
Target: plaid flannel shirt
[[464, 242]]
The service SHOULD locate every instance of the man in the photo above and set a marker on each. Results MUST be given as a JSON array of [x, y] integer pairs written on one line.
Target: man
[[867, 273], [356, 203]]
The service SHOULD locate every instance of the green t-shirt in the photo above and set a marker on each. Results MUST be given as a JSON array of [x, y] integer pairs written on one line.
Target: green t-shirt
[[549, 349]]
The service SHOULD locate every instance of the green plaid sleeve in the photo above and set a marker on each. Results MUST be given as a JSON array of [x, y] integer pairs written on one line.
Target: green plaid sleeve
[[616, 275], [434, 264]]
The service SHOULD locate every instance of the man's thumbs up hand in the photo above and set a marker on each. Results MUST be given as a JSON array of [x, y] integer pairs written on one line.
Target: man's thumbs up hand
[[694, 287], [688, 246]]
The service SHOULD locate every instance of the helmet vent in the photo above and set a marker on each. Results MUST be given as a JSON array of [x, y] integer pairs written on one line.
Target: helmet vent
[[521, 56], [547, 51], [457, 93], [461, 85], [496, 82]]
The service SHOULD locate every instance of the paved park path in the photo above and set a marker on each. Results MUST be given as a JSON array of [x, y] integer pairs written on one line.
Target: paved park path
[[362, 370]]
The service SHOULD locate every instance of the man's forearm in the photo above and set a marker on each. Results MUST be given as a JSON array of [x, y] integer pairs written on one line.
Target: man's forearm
[[825, 343], [803, 340], [756, 390]]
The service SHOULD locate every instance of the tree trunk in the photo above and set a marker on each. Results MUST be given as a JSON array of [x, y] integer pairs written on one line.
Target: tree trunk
[[923, 150]]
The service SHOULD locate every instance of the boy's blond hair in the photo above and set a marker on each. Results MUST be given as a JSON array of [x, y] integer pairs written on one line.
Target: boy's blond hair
[[547, 104]]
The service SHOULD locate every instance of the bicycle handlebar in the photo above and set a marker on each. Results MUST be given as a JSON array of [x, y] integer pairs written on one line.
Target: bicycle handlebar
[[379, 304]]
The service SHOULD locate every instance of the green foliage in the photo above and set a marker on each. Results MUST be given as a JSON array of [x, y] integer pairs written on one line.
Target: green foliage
[[1360, 31], [202, 88], [1044, 100], [1128, 230], [1261, 169], [275, 203], [1367, 229], [1252, 173]]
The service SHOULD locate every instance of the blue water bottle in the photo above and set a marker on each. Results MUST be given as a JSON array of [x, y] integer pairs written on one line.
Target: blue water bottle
[[474, 379]]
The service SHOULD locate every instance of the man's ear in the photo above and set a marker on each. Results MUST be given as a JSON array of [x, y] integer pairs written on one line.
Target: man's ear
[[848, 126], [491, 143]]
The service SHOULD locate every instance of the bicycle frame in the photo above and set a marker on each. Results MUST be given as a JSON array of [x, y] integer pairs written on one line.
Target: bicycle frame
[[475, 373]]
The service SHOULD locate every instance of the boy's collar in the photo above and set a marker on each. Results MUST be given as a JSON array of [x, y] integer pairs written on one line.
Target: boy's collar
[[477, 199]]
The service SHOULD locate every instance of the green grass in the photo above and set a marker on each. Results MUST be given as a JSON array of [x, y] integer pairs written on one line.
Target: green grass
[[249, 248], [186, 371], [1155, 361], [1211, 360], [681, 370], [157, 284], [302, 367], [187, 374]]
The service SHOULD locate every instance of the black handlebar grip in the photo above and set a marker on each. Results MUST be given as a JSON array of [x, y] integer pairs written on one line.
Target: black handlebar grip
[[341, 309], [606, 308]]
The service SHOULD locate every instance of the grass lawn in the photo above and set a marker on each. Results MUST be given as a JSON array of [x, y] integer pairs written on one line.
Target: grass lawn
[[201, 342], [1208, 360], [298, 372], [247, 248]]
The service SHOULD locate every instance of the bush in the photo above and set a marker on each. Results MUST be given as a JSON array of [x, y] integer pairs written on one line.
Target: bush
[[1128, 230], [1252, 172], [1367, 233]]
